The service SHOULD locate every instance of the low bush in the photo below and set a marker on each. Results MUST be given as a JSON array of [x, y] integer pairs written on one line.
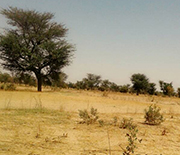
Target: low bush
[[153, 116]]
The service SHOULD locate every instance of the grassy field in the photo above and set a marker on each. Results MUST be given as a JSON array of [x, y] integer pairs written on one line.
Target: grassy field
[[47, 123]]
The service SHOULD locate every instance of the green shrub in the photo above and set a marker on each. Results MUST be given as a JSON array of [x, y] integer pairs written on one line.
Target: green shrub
[[153, 115], [10, 86], [88, 118]]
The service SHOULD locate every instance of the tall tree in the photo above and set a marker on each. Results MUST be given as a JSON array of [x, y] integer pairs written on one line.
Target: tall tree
[[140, 83], [35, 44]]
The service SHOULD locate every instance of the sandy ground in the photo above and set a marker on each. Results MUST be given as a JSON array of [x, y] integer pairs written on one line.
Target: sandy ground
[[25, 129]]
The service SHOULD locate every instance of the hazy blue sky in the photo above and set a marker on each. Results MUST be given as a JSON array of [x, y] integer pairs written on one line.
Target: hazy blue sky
[[116, 38]]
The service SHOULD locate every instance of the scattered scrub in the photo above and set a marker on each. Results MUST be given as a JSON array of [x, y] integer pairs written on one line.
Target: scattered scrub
[[88, 117], [153, 115]]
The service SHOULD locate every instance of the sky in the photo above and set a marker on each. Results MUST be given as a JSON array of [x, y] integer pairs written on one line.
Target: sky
[[117, 38]]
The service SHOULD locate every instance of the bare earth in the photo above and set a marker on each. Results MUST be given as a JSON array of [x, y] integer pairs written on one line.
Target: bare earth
[[47, 123]]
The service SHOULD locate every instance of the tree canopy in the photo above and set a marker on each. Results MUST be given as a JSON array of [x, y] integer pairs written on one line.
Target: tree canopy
[[35, 44], [140, 83]]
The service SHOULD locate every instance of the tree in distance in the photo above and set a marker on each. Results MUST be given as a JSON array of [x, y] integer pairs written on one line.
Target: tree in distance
[[140, 83], [167, 88], [151, 88], [35, 44], [91, 82]]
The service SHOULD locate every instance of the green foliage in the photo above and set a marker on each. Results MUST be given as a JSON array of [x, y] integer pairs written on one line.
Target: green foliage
[[34, 44], [167, 88], [88, 117], [140, 83], [153, 116]]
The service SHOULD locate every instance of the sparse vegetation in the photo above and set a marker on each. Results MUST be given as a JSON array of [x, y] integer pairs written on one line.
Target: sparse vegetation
[[28, 119]]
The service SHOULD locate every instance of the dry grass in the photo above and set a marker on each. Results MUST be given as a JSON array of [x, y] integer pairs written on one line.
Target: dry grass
[[46, 123]]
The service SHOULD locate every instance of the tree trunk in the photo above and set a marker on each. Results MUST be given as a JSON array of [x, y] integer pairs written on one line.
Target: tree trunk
[[39, 82]]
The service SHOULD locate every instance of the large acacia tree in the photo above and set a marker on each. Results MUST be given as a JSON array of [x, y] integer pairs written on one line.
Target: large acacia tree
[[35, 43]]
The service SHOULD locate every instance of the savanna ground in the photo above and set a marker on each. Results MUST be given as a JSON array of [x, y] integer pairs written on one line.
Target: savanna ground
[[47, 123]]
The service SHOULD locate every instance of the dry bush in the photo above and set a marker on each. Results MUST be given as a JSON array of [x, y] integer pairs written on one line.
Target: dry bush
[[126, 123]]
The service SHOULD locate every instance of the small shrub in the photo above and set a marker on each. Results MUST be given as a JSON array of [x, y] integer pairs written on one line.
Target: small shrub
[[131, 134], [126, 123], [101, 122], [88, 118], [153, 115]]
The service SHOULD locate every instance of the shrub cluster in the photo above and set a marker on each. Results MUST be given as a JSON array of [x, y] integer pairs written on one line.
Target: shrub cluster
[[88, 117]]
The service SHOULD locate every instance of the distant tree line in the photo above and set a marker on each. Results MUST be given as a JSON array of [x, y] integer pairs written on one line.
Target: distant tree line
[[140, 83]]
